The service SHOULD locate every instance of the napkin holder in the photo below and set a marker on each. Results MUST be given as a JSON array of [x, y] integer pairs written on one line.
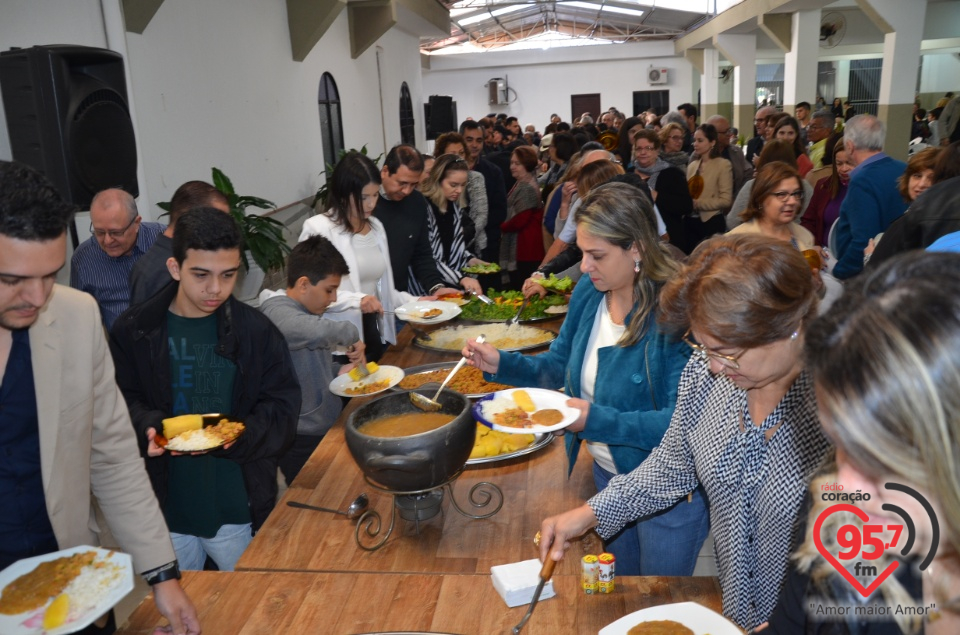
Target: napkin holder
[[516, 582]]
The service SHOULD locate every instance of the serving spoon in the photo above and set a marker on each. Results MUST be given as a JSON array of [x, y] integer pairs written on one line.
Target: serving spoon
[[354, 510], [432, 405]]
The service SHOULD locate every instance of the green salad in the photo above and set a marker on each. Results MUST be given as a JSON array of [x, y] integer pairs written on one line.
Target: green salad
[[505, 305], [558, 285], [481, 269]]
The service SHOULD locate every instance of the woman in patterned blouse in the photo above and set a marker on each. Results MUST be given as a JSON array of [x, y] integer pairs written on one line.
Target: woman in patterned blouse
[[442, 189], [745, 426]]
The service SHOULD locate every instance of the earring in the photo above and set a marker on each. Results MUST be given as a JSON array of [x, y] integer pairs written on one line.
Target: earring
[[795, 335], [636, 266]]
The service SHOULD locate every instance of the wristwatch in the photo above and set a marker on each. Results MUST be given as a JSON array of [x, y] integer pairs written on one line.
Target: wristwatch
[[435, 288], [169, 571]]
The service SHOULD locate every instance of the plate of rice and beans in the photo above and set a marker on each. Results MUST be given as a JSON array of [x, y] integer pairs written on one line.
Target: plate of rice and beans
[[62, 592], [525, 411], [198, 433]]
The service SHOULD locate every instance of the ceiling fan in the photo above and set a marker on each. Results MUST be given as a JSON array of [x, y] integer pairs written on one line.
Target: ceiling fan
[[833, 27]]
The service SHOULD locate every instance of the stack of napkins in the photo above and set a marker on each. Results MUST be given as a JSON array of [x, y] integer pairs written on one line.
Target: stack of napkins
[[516, 582]]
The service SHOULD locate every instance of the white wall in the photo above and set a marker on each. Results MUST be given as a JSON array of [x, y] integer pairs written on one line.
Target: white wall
[[213, 83], [940, 73], [544, 87]]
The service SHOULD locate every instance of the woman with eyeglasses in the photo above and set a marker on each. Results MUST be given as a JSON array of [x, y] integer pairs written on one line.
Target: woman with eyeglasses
[[443, 189], [620, 370], [775, 150], [776, 199], [671, 139], [667, 184], [745, 427]]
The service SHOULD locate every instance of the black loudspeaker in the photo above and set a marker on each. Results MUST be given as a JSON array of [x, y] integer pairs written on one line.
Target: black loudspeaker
[[67, 115], [440, 115]]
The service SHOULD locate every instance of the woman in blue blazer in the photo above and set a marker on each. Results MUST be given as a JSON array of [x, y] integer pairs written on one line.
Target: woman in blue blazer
[[620, 370]]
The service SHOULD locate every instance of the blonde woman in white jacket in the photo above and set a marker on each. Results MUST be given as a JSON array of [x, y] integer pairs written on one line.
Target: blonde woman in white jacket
[[368, 290]]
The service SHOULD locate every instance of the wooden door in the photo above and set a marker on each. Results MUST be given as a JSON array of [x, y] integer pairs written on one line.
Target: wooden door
[[580, 104]]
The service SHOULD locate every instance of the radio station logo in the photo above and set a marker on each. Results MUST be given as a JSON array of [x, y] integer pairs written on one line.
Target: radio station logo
[[869, 543]]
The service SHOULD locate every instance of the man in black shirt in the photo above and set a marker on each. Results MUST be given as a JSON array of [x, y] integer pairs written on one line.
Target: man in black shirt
[[403, 212], [472, 133]]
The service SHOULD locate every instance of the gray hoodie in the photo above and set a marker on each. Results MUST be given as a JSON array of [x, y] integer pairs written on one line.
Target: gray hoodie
[[311, 339]]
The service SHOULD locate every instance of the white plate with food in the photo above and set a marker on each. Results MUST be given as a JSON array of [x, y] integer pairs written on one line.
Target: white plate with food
[[426, 312], [525, 411], [384, 378], [696, 618], [91, 581], [198, 433]]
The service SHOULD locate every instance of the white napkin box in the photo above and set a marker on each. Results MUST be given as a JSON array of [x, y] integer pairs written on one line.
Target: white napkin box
[[516, 582]]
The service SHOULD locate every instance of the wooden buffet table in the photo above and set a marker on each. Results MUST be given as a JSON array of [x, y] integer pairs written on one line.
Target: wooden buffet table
[[304, 571], [341, 603]]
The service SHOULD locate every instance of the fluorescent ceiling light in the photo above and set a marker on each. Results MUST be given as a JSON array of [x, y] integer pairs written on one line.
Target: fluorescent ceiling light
[[473, 19], [691, 6], [590, 6]]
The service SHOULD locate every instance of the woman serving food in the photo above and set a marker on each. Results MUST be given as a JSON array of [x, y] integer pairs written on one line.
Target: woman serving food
[[745, 426], [620, 368]]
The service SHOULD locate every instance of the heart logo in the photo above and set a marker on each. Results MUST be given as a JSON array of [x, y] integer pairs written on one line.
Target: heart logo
[[862, 515]]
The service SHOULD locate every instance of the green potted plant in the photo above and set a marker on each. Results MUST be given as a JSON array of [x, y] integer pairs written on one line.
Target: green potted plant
[[262, 235]]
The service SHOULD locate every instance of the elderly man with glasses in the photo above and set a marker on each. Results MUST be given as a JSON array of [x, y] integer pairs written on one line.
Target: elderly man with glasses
[[819, 130], [101, 266]]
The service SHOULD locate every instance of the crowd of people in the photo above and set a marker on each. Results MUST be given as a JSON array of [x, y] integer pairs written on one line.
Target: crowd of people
[[746, 323]]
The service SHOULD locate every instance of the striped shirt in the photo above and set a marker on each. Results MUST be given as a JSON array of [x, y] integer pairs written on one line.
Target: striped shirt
[[451, 258], [106, 278], [755, 487]]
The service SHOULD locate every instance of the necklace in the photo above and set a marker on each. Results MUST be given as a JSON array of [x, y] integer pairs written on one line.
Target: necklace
[[609, 297]]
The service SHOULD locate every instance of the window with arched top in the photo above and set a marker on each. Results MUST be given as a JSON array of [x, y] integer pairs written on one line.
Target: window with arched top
[[407, 133], [331, 124]]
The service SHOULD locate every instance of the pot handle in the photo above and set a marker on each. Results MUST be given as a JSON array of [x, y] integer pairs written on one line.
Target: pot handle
[[402, 462]]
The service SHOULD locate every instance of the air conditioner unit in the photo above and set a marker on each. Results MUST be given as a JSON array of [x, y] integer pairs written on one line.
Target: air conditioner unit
[[658, 75]]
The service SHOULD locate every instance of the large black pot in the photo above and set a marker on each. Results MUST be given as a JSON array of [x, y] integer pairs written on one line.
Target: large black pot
[[417, 462]]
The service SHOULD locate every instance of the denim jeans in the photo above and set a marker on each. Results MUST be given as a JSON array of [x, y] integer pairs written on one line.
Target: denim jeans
[[665, 543], [225, 548]]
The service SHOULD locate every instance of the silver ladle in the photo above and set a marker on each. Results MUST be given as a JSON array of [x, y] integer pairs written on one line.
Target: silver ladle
[[432, 405], [354, 510]]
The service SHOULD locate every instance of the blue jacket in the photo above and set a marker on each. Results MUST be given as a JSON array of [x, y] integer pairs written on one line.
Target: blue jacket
[[872, 203], [636, 387]]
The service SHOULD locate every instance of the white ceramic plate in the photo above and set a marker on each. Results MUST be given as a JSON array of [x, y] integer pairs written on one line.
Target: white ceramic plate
[[391, 374], [696, 617], [542, 399], [31, 622], [412, 311]]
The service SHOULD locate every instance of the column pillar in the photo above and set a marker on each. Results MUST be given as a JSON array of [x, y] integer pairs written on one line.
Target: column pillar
[[709, 83], [741, 50], [800, 62], [902, 26]]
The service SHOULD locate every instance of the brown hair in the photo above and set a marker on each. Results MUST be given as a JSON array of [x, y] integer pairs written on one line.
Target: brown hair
[[596, 173], [838, 147], [667, 129], [745, 290], [527, 157], [948, 165], [926, 159], [649, 135], [777, 150], [623, 216], [767, 179], [449, 139]]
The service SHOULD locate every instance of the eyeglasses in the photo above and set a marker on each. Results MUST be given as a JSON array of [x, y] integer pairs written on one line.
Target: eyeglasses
[[704, 354], [784, 196], [113, 233], [640, 149]]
